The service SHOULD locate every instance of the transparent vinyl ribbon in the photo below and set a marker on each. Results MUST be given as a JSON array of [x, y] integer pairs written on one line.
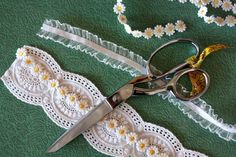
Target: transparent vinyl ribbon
[[126, 60]]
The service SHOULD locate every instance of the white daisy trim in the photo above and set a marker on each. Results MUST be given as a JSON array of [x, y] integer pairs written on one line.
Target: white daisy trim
[[226, 6], [119, 8], [170, 29]]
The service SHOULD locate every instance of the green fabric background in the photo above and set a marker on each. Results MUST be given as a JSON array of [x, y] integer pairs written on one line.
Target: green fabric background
[[26, 131]]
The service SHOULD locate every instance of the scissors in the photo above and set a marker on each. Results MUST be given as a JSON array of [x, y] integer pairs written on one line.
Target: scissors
[[158, 82]]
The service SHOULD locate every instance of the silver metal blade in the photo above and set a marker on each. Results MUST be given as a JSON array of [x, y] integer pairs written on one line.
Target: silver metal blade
[[82, 125]]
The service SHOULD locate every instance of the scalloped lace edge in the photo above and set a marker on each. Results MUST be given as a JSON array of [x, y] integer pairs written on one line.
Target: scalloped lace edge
[[195, 110]]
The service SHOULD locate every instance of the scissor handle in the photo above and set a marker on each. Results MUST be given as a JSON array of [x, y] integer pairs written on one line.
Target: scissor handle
[[151, 69], [200, 83]]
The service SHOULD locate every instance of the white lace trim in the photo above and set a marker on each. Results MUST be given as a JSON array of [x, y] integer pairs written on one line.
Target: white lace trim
[[105, 138], [198, 110]]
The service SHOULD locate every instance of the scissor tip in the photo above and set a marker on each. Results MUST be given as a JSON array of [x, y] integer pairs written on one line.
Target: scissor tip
[[52, 149]]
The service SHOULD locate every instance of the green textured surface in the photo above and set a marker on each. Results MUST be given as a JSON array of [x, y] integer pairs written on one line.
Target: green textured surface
[[26, 131]]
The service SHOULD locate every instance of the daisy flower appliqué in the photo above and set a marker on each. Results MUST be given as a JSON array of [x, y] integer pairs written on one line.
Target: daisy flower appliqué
[[142, 145], [170, 29], [28, 61], [148, 33], [21, 53], [180, 26], [131, 138], [121, 131], [152, 151], [112, 124], [202, 12], [62, 91], [119, 8], [227, 5], [209, 19], [36, 69], [230, 20], [197, 3], [53, 84], [219, 21], [216, 3], [71, 99], [82, 105], [205, 2], [44, 76], [159, 31]]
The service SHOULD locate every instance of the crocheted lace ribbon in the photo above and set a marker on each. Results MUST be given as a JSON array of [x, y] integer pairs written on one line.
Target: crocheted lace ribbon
[[37, 79], [126, 60]]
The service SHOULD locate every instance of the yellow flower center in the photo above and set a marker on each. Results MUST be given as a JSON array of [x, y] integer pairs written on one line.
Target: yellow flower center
[[53, 84], [119, 8], [111, 125], [152, 152], [21, 53], [170, 28], [36, 69], [28, 61], [158, 30], [82, 105], [45, 77], [142, 145], [62, 91], [149, 33], [132, 138], [220, 20], [215, 2], [227, 5], [72, 98], [121, 131], [200, 3]]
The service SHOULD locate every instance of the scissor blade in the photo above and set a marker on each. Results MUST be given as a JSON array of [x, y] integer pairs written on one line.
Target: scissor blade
[[82, 125]]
